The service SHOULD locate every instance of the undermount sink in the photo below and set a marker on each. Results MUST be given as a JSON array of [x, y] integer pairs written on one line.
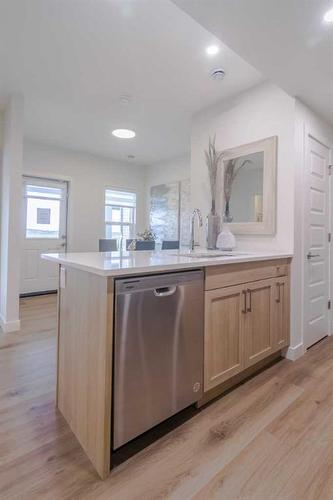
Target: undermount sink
[[209, 254]]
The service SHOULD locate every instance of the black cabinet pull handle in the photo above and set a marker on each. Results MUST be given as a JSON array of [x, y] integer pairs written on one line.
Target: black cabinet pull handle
[[244, 307], [279, 292], [249, 309]]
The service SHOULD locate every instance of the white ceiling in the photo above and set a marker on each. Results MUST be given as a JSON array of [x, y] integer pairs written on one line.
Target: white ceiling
[[73, 59], [284, 39]]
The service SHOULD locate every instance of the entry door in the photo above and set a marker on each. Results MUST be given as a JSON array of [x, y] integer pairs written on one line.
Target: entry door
[[45, 214], [316, 275]]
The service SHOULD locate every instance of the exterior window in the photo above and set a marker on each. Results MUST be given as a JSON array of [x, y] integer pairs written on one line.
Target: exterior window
[[43, 211], [120, 215]]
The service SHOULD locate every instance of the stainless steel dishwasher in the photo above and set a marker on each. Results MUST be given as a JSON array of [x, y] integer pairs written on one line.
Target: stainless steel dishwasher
[[158, 350]]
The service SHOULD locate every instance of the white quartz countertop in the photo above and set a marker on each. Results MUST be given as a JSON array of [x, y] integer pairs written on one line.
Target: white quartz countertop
[[128, 263]]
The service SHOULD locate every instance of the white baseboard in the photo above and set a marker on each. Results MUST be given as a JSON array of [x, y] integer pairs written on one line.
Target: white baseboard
[[9, 326], [294, 352]]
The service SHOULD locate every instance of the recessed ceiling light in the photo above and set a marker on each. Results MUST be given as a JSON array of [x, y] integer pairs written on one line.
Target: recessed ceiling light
[[328, 17], [212, 50], [123, 133]]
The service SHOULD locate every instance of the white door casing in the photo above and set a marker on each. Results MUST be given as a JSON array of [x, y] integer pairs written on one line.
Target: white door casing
[[316, 245], [44, 230]]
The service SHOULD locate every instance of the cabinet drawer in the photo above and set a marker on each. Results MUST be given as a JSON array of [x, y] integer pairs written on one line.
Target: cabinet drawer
[[235, 274]]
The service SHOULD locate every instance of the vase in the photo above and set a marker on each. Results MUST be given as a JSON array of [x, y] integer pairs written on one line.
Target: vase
[[213, 227], [226, 240], [227, 217]]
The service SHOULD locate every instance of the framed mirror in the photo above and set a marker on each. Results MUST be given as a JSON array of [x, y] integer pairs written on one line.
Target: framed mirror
[[249, 187]]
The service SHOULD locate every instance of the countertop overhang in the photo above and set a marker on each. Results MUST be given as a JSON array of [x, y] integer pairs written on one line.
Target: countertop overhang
[[126, 263]]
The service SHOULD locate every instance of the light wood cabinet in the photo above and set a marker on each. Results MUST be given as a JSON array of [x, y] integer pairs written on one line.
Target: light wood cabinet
[[244, 324], [246, 321], [224, 330], [282, 313], [259, 318]]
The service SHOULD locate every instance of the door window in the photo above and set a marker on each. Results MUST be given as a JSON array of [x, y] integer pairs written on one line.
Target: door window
[[42, 211]]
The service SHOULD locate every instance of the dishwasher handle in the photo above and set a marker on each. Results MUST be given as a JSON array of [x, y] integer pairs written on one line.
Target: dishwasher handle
[[165, 291]]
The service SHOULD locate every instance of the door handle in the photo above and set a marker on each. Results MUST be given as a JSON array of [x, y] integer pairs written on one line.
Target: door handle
[[165, 291], [312, 255], [244, 296], [278, 299], [249, 309]]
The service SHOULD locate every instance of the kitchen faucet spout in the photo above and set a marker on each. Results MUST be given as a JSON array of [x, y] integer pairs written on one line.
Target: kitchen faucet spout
[[196, 213]]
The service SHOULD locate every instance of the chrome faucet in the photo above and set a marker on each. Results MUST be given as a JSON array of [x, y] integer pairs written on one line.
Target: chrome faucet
[[195, 212]]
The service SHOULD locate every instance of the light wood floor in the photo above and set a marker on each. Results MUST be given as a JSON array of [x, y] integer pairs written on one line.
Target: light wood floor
[[271, 438]]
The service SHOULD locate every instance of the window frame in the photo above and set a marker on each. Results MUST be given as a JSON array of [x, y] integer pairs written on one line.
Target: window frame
[[121, 224]]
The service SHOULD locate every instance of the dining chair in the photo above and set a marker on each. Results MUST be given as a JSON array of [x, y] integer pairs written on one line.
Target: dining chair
[[170, 244], [107, 245]]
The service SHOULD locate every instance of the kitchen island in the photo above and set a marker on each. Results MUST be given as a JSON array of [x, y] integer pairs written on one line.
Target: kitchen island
[[246, 323]]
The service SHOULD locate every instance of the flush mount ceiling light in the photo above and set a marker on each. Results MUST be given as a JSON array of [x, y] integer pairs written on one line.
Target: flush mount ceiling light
[[328, 17], [123, 133], [212, 50]]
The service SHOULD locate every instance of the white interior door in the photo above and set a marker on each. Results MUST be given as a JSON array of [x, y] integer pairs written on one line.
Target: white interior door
[[316, 275], [45, 224]]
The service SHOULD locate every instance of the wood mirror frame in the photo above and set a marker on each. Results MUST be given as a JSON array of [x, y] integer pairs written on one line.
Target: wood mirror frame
[[269, 147]]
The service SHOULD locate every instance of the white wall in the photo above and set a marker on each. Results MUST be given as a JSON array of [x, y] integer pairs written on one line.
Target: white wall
[[11, 188], [1, 128], [2, 115], [261, 112], [88, 176], [305, 120], [173, 170]]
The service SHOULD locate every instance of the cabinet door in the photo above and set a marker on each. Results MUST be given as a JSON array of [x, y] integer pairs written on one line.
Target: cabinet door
[[258, 332], [224, 325], [281, 321]]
